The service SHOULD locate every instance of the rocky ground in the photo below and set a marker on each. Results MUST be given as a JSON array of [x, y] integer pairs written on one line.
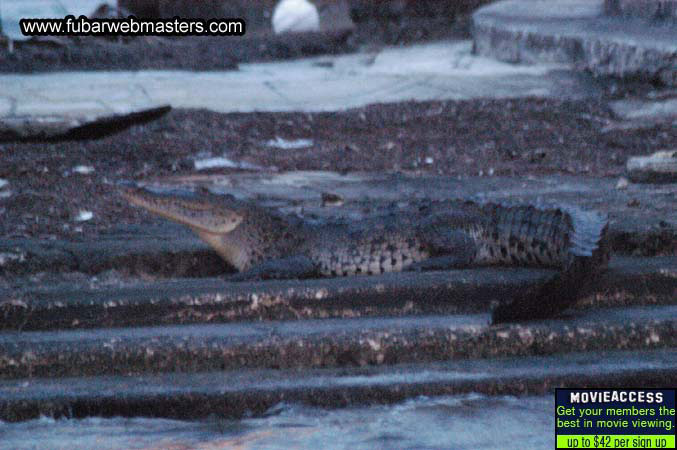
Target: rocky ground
[[519, 137]]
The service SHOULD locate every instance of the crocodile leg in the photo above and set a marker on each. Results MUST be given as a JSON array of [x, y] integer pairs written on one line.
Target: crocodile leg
[[298, 266]]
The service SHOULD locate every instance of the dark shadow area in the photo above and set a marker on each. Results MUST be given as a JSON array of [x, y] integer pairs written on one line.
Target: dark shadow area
[[99, 128]]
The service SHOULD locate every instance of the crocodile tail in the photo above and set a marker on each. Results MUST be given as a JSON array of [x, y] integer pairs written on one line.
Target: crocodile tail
[[584, 259]]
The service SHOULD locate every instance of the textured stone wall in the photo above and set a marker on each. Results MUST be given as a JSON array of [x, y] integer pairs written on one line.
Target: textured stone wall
[[650, 9]]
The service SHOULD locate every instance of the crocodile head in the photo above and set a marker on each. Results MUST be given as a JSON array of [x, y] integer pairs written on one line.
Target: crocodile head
[[204, 213]]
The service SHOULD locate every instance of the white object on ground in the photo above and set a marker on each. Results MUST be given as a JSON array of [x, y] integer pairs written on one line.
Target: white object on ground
[[84, 170], [622, 183], [282, 143], [9, 257], [295, 16], [660, 166], [220, 161], [4, 193], [84, 216]]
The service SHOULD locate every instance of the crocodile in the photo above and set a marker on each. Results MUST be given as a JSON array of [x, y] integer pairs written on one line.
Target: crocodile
[[262, 243]]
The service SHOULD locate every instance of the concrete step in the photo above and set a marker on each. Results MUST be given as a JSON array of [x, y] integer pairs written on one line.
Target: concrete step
[[326, 343], [577, 32], [242, 393], [64, 303]]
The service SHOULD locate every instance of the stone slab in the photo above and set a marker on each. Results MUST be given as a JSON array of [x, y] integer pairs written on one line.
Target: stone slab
[[68, 304], [87, 302], [577, 32], [435, 71], [653, 110], [326, 343]]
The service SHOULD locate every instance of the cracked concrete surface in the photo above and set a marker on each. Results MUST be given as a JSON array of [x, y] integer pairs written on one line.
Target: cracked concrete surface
[[442, 70]]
